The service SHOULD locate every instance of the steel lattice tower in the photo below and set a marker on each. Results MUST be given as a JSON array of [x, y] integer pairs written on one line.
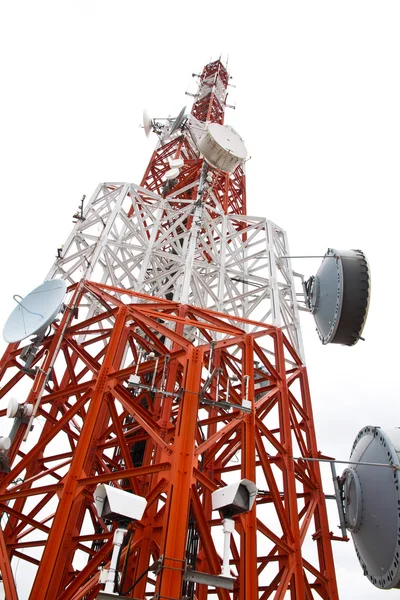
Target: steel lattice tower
[[176, 366]]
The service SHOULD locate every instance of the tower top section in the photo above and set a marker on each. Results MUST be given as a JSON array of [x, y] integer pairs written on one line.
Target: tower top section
[[212, 93]]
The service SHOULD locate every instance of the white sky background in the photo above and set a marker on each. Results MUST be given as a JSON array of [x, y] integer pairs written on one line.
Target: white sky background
[[318, 104]]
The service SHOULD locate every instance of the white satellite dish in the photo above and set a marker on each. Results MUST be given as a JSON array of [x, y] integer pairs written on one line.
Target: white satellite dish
[[147, 123], [36, 311], [12, 408], [178, 121], [176, 163], [172, 174]]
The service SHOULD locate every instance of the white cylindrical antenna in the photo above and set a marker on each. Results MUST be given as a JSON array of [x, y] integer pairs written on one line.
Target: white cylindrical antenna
[[245, 402], [211, 356], [139, 360], [5, 443], [111, 574], [227, 390], [166, 360], [228, 528], [217, 384], [246, 387], [155, 372]]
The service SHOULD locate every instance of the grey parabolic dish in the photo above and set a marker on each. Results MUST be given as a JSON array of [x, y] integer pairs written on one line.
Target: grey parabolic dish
[[339, 296], [178, 121], [36, 311], [372, 505]]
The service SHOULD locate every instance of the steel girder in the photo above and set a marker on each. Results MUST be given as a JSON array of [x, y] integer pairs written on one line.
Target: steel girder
[[133, 239], [172, 427]]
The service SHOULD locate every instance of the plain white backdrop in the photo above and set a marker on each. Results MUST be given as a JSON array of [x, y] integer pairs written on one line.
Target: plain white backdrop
[[318, 104]]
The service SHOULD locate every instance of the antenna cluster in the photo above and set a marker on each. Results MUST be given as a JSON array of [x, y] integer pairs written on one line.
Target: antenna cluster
[[170, 126]]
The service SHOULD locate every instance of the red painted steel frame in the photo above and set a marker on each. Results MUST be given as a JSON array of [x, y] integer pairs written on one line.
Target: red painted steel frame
[[191, 444], [230, 190], [209, 107], [160, 426]]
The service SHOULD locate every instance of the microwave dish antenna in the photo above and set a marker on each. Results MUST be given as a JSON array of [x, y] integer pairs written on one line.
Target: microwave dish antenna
[[371, 500], [12, 408], [338, 296], [172, 174], [147, 123], [34, 313], [176, 163], [178, 121], [222, 147]]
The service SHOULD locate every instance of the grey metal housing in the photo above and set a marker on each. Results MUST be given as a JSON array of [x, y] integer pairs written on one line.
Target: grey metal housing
[[338, 296], [371, 501]]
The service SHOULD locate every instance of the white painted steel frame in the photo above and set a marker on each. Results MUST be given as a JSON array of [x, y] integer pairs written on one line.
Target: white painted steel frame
[[134, 239]]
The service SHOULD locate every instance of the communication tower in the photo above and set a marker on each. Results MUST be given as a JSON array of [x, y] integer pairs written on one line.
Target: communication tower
[[172, 370]]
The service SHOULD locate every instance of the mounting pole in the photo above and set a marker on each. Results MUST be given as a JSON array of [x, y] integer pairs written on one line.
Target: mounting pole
[[228, 529]]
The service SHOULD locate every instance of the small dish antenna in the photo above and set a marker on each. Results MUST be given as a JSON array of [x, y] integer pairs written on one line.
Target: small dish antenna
[[36, 311], [5, 443], [178, 121], [12, 408], [147, 123], [176, 163], [172, 174]]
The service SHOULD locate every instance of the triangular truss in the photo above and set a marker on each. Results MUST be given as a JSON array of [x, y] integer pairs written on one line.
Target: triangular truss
[[135, 240], [154, 386]]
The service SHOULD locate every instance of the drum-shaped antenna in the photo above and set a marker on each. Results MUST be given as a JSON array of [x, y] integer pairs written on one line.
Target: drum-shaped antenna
[[178, 121], [172, 174], [12, 408], [147, 123], [222, 147], [36, 311], [338, 296], [5, 443], [371, 499], [176, 163]]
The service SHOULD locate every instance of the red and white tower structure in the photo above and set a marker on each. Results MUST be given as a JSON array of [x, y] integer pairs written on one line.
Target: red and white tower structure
[[175, 369]]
